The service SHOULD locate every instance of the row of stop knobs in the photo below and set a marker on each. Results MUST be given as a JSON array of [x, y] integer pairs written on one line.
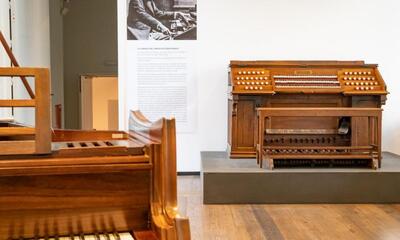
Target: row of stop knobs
[[251, 78], [252, 83], [362, 83], [357, 73], [363, 88], [253, 88], [359, 78], [251, 72]]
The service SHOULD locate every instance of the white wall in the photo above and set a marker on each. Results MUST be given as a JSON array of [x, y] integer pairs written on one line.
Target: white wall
[[31, 45], [90, 48], [282, 29], [5, 83]]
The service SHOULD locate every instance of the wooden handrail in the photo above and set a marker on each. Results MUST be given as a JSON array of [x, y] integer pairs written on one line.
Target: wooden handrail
[[15, 63]]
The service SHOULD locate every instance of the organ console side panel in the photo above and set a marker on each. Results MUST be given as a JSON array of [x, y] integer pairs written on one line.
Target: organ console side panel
[[301, 84], [166, 218]]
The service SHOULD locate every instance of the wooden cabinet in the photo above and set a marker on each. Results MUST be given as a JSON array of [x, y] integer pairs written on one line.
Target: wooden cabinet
[[298, 84]]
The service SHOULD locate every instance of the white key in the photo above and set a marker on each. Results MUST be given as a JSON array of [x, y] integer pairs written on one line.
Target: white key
[[125, 236], [90, 237], [112, 236]]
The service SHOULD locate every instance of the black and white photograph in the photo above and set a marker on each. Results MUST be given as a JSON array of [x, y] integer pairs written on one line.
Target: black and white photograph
[[162, 20]]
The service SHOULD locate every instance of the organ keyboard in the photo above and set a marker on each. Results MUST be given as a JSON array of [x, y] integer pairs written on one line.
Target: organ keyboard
[[301, 84], [101, 236]]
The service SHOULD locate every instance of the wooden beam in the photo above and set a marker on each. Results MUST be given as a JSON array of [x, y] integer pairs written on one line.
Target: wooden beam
[[12, 131], [17, 147], [319, 112], [19, 71], [321, 156], [17, 103]]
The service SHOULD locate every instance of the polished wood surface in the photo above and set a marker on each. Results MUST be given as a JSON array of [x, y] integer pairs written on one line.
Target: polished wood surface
[[95, 182], [285, 221], [298, 84], [167, 221]]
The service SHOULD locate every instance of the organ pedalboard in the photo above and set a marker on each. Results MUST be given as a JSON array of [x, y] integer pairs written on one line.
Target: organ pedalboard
[[293, 88]]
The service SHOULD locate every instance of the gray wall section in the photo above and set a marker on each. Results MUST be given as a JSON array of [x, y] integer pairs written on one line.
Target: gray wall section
[[90, 47], [56, 55]]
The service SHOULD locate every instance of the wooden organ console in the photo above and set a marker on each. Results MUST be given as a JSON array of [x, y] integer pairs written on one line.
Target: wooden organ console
[[301, 113], [72, 184]]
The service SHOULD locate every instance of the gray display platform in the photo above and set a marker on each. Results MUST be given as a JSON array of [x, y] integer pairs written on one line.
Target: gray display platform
[[241, 181]]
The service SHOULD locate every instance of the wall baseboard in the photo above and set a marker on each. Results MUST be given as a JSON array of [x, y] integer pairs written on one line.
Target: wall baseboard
[[188, 173]]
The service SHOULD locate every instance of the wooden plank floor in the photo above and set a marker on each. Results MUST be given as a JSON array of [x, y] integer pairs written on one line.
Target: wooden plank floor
[[296, 221]]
